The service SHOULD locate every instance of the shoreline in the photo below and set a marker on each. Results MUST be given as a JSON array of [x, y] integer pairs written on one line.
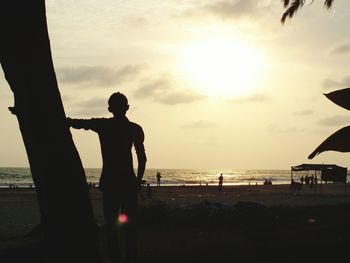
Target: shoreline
[[229, 192]]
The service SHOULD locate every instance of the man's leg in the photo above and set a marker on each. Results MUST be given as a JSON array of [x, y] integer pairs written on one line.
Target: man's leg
[[129, 208], [111, 206]]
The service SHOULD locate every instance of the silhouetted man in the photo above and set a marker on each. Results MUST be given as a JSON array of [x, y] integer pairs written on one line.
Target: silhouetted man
[[118, 181]]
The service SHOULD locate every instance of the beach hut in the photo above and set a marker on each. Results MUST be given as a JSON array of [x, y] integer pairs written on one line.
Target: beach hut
[[328, 172]]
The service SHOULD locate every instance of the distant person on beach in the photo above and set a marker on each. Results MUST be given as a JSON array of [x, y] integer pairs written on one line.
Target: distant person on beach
[[158, 178], [118, 182], [312, 181], [307, 179], [302, 179], [267, 182], [221, 179]]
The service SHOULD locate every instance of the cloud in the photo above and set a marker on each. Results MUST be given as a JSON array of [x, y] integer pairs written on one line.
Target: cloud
[[154, 88], [97, 75], [92, 107], [303, 112], [259, 97], [183, 97], [285, 130], [340, 49], [330, 83], [162, 91], [228, 9], [335, 121], [201, 124]]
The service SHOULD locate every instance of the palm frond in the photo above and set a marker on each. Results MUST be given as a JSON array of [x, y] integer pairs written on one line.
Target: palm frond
[[285, 3], [292, 8], [294, 5], [328, 3]]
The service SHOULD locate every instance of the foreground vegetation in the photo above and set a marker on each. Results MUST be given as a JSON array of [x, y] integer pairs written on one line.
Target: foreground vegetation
[[244, 232]]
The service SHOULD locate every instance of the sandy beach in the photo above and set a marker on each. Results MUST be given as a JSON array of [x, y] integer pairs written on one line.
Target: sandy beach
[[19, 209], [19, 215]]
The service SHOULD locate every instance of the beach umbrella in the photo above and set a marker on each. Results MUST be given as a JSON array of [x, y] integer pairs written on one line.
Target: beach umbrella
[[340, 97], [338, 141]]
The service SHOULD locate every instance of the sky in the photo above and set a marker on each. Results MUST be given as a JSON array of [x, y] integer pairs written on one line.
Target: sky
[[214, 84]]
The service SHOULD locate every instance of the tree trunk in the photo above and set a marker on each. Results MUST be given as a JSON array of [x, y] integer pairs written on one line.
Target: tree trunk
[[69, 231]]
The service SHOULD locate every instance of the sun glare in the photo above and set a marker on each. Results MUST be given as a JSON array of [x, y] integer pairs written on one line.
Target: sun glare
[[222, 67]]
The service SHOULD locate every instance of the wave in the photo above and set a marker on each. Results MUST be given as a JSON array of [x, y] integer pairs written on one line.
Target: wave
[[22, 176]]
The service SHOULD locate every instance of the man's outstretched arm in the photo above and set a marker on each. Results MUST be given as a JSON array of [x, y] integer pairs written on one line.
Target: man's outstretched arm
[[90, 124]]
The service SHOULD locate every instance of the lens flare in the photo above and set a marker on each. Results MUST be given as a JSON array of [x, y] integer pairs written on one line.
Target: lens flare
[[123, 219]]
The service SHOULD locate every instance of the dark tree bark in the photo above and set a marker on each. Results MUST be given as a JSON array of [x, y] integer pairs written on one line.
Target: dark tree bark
[[66, 212]]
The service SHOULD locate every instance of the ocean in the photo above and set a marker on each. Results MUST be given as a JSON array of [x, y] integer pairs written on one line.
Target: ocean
[[22, 177]]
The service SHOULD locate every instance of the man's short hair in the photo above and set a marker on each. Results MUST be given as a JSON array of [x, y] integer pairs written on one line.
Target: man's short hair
[[118, 102]]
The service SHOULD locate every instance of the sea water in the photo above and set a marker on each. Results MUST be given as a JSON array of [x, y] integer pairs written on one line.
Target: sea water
[[22, 177]]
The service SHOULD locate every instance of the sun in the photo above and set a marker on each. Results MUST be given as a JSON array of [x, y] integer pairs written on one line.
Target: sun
[[222, 67]]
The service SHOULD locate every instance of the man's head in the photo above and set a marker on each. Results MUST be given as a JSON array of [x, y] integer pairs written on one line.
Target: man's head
[[118, 104]]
